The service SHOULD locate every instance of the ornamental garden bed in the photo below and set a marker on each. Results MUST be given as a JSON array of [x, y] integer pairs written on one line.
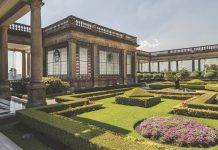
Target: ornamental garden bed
[[178, 131], [138, 97]]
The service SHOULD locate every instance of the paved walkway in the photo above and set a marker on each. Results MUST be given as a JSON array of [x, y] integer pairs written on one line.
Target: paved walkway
[[7, 144]]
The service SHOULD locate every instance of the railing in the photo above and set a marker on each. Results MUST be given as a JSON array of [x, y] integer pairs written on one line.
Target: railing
[[186, 50], [80, 24], [20, 28]]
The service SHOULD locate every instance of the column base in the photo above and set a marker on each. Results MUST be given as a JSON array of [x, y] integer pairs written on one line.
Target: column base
[[5, 92], [36, 95]]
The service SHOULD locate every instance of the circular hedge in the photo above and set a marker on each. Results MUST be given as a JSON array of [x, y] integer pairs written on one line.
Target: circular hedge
[[178, 131]]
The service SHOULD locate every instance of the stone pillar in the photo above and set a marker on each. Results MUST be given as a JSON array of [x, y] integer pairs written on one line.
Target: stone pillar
[[28, 65], [135, 65], [158, 66], [193, 65], [177, 65], [169, 65], [123, 60], [23, 65], [4, 83], [149, 66], [72, 46], [199, 65], [95, 67], [36, 93]]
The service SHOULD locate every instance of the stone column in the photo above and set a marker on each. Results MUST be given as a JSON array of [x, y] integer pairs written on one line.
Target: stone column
[[158, 66], [36, 93], [4, 83], [28, 65], [199, 65], [72, 46], [193, 65], [123, 60], [95, 67], [23, 65], [177, 65], [135, 65], [149, 66], [169, 65]]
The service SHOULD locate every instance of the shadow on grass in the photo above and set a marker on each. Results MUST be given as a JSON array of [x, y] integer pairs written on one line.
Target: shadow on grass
[[102, 125]]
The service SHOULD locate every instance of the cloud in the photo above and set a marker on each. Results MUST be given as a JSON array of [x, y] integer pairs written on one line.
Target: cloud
[[146, 45]]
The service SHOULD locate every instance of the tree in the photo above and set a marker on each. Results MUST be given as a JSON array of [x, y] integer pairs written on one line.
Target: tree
[[183, 74]]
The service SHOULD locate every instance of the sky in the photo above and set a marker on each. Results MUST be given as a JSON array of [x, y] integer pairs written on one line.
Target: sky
[[158, 24]]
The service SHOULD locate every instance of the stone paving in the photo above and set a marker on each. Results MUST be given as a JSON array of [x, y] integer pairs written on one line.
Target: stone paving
[[7, 144]]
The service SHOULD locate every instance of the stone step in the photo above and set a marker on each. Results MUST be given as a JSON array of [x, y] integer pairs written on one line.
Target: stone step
[[6, 111]]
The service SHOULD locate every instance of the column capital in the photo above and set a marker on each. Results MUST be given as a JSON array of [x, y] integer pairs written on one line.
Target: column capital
[[35, 3], [72, 40]]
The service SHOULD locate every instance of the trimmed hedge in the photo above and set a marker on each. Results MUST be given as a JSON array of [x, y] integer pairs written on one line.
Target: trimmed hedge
[[176, 93], [138, 92], [193, 86], [212, 87], [208, 98], [160, 86], [204, 106], [138, 101], [196, 82], [77, 135], [177, 97], [78, 110], [195, 112]]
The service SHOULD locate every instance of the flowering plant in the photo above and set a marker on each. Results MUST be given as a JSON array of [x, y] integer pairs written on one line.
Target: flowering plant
[[178, 131]]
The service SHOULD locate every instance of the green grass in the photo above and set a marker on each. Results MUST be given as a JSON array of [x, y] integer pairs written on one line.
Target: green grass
[[14, 130], [121, 118]]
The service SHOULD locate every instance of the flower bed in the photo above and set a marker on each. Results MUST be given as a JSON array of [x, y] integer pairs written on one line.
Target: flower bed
[[178, 131]]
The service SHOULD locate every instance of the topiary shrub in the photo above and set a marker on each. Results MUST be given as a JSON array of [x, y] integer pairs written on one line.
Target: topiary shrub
[[212, 87], [138, 92], [196, 82], [20, 86], [210, 74]]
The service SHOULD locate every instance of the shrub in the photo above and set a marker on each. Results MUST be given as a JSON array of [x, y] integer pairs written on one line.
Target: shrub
[[183, 74], [55, 85], [178, 131], [196, 82], [208, 98], [204, 106], [195, 74], [169, 75], [195, 112], [193, 86], [137, 92], [76, 135], [212, 87], [161, 85], [137, 101], [210, 74], [157, 76]]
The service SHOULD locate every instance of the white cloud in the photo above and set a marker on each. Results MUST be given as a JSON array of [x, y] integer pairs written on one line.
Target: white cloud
[[147, 45]]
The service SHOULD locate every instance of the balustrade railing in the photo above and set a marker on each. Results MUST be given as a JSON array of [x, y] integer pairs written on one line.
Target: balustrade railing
[[20, 28], [80, 24]]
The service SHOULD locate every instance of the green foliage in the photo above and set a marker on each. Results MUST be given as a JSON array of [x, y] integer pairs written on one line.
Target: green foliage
[[208, 98], [213, 67], [204, 106], [195, 74], [196, 82], [169, 75], [212, 87], [78, 110], [161, 85], [183, 74], [137, 101], [195, 112], [138, 92], [210, 74], [53, 85]]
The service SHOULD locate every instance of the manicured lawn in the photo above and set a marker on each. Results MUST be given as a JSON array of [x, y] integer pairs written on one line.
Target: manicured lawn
[[121, 119], [15, 130]]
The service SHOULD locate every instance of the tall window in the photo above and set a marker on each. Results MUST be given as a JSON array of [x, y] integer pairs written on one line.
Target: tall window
[[57, 62], [109, 63], [83, 61], [129, 64]]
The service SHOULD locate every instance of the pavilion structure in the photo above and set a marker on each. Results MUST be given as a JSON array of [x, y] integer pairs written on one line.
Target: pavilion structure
[[12, 10]]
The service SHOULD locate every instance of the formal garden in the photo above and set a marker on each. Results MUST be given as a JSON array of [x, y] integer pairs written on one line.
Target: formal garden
[[179, 111]]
